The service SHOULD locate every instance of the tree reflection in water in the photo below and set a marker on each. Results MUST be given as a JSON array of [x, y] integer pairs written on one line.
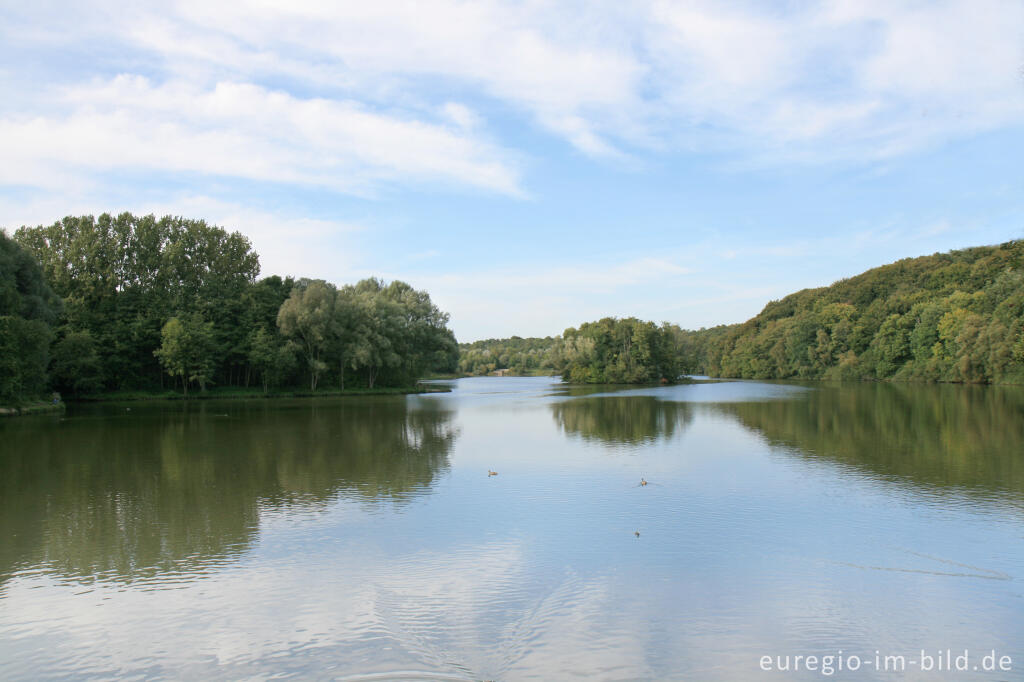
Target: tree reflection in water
[[126, 492], [622, 420], [937, 436]]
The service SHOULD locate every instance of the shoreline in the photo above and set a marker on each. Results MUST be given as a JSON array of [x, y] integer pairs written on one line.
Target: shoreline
[[242, 394], [32, 408], [221, 394]]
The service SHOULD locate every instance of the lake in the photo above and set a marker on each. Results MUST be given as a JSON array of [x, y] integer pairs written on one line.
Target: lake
[[362, 538]]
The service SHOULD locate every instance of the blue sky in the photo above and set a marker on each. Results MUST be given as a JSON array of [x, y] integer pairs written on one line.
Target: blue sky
[[533, 165]]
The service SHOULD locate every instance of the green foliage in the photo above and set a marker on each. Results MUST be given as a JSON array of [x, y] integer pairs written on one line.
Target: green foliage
[[144, 298], [517, 355], [307, 318], [370, 333], [619, 351], [956, 316], [390, 334], [27, 309], [651, 353], [121, 278], [135, 297], [271, 356], [75, 365], [23, 289], [24, 352], [186, 350]]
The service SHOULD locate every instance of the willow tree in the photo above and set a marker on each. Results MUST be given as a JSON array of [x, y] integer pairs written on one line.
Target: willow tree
[[307, 317]]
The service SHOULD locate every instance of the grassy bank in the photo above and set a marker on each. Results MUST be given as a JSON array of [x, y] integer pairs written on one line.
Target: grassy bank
[[40, 407], [252, 393]]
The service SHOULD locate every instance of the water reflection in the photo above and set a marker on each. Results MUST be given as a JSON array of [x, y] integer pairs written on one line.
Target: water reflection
[[776, 532], [133, 491], [964, 437], [627, 420]]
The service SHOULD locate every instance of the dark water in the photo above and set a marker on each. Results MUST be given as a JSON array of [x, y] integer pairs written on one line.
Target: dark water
[[363, 538]]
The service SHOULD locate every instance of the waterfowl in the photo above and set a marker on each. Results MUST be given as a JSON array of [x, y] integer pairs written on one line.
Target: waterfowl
[[636, 533], [492, 473], [643, 481]]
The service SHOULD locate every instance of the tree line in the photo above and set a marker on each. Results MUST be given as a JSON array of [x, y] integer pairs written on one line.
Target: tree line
[[608, 351], [519, 356], [123, 302], [142, 303], [949, 317]]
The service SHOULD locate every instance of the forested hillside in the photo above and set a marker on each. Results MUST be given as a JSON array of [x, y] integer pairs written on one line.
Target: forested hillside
[[144, 304], [956, 316]]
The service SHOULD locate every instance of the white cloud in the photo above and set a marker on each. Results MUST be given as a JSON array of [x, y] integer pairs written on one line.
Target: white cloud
[[835, 75], [245, 131], [813, 81], [461, 115], [841, 79]]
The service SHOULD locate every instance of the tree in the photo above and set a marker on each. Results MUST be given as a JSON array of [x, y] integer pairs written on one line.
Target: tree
[[271, 357], [122, 277], [348, 331], [24, 346], [307, 317], [75, 366], [615, 350], [28, 308], [186, 348], [376, 329]]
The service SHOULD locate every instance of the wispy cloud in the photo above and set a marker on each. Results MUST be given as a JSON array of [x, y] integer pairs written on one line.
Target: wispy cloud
[[812, 81], [243, 131]]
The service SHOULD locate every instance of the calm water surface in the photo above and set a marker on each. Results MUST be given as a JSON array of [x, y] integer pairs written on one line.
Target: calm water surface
[[363, 539]]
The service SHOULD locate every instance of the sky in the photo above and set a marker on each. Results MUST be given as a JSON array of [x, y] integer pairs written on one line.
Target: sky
[[532, 165]]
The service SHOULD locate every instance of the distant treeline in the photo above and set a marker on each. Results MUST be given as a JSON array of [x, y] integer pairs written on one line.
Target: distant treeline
[[139, 303], [609, 351], [517, 355], [956, 316], [952, 317]]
